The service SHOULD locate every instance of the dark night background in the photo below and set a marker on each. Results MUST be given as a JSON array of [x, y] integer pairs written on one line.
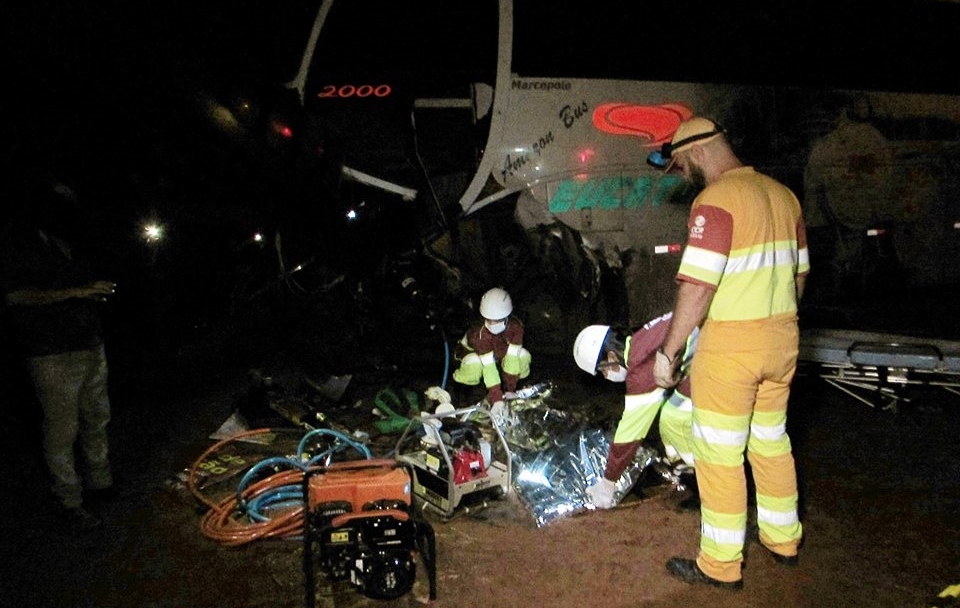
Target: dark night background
[[112, 98]]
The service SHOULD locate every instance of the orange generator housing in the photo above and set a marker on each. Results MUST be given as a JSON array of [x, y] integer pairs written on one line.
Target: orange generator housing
[[364, 484]]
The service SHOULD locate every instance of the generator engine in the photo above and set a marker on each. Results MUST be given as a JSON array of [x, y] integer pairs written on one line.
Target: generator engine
[[359, 526]]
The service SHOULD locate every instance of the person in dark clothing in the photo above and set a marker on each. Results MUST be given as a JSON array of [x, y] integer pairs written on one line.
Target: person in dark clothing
[[53, 305]]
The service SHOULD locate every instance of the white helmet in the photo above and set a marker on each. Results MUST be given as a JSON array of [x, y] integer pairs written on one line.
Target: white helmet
[[496, 304], [588, 346]]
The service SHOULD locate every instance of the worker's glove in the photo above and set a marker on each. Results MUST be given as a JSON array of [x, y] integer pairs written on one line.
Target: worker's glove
[[666, 371], [602, 494], [435, 393]]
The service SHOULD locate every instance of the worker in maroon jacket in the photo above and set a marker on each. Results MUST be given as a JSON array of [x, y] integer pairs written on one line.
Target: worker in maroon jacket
[[493, 351], [599, 349]]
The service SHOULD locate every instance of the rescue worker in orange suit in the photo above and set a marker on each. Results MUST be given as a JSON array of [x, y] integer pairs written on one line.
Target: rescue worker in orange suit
[[741, 276], [493, 351], [630, 359]]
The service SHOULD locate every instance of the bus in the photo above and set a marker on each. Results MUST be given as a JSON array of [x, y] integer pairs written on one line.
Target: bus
[[548, 113]]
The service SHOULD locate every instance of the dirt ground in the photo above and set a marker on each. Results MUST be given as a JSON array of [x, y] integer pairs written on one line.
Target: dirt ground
[[880, 494]]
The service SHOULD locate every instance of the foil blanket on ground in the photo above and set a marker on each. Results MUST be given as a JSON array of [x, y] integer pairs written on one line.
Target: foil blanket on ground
[[556, 458], [529, 424], [553, 483]]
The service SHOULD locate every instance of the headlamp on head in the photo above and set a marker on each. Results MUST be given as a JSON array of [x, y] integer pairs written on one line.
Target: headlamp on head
[[659, 158], [694, 130]]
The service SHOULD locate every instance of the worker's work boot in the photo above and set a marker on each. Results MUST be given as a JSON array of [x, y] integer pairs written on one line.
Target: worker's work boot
[[790, 561], [688, 571]]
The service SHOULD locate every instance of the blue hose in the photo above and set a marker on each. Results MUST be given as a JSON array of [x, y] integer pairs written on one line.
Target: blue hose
[[289, 496], [283, 497], [446, 360], [338, 435], [269, 462]]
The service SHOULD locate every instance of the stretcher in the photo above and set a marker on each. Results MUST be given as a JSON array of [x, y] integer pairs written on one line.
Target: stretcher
[[877, 368]]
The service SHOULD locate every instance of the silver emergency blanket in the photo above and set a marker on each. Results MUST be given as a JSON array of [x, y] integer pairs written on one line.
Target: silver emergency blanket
[[557, 456]]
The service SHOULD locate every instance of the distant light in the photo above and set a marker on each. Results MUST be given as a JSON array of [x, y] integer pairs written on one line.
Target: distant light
[[152, 232], [352, 214], [283, 129], [257, 237], [875, 231]]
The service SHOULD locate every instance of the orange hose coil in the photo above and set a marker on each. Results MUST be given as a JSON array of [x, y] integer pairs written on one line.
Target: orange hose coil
[[221, 523]]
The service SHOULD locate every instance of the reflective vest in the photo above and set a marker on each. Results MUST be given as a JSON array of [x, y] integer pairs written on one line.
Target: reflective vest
[[746, 240]]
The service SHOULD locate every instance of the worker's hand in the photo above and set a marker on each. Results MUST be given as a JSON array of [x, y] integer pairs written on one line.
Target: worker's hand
[[666, 371], [601, 494]]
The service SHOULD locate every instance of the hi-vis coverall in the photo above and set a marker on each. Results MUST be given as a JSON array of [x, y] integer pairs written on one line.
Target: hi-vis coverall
[[644, 400], [747, 241], [498, 360]]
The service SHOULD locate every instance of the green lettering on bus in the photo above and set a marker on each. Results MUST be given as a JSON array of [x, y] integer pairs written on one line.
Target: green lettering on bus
[[611, 193]]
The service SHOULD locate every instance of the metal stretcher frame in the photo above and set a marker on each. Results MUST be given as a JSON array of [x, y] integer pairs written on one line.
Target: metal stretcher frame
[[876, 368]]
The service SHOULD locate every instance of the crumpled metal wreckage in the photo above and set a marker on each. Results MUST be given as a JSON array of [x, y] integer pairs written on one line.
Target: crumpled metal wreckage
[[556, 456]]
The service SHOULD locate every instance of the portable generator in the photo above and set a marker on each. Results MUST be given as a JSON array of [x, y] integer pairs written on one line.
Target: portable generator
[[358, 525], [455, 455]]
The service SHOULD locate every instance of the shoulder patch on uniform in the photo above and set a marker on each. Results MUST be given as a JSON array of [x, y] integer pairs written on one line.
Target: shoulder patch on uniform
[[696, 231]]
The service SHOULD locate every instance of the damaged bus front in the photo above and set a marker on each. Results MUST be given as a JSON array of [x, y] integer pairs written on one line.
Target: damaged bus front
[[466, 107]]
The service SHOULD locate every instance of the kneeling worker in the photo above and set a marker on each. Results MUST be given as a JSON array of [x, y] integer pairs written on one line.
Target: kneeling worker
[[493, 351], [631, 359]]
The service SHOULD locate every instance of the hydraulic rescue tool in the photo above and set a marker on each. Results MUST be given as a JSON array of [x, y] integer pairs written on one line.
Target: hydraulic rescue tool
[[455, 454]]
